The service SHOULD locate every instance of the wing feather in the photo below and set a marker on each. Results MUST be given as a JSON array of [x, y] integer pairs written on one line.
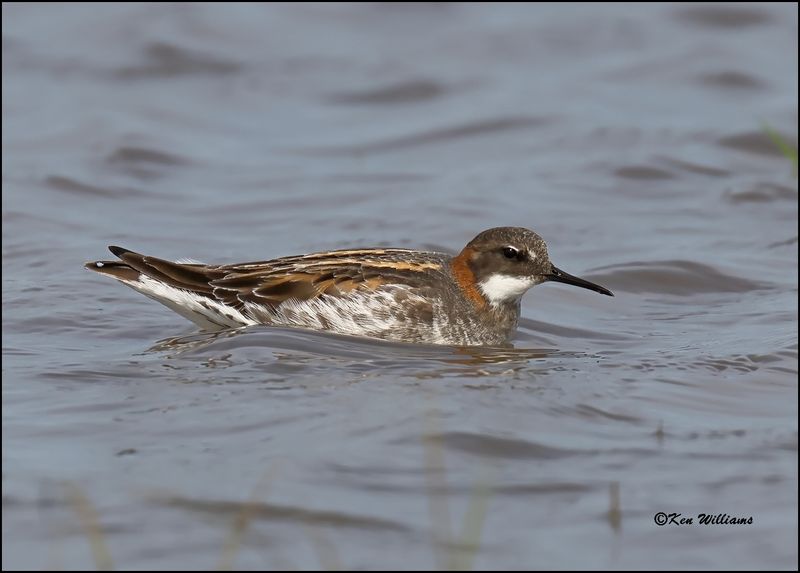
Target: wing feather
[[299, 278]]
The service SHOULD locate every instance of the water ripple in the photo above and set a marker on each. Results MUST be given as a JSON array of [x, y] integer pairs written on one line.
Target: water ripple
[[410, 91], [165, 60], [445, 134], [70, 185], [676, 277], [275, 512]]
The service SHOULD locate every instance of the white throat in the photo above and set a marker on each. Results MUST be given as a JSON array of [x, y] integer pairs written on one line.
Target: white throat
[[504, 288]]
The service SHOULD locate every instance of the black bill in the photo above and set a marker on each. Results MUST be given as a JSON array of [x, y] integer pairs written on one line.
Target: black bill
[[560, 276]]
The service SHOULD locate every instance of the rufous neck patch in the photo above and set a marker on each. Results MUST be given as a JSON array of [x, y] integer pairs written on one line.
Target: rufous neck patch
[[466, 278]]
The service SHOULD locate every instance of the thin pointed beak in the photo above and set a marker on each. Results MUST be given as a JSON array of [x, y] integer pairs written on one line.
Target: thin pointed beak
[[560, 276]]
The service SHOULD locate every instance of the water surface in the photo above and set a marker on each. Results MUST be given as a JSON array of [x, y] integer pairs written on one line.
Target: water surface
[[630, 137]]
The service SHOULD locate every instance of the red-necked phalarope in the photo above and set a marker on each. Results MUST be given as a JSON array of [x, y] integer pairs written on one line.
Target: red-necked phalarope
[[472, 298]]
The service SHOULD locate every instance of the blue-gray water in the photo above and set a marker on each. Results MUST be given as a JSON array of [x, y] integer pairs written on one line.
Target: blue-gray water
[[630, 137]]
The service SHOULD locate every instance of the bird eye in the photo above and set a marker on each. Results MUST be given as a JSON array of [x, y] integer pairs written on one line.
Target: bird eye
[[510, 252]]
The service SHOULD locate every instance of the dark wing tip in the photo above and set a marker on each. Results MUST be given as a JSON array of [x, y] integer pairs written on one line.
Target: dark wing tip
[[101, 266], [119, 251], [116, 269]]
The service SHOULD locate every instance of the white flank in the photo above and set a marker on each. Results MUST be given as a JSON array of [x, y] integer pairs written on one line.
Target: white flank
[[201, 310], [361, 313], [503, 288]]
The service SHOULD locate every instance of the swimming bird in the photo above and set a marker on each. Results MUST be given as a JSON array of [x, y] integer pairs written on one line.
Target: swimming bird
[[470, 299]]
